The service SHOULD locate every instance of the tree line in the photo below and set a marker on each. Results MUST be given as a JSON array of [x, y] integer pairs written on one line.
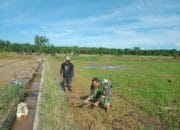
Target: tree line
[[42, 45]]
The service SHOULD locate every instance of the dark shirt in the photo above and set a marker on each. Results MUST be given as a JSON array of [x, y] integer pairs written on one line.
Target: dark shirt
[[67, 69]]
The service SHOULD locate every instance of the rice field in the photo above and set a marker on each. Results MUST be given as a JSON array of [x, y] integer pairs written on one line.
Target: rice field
[[150, 83], [145, 93]]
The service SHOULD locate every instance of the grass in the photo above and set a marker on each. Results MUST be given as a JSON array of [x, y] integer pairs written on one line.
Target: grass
[[150, 83], [9, 95], [54, 112]]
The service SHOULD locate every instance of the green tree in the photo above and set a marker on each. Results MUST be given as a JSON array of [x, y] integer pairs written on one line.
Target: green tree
[[41, 42], [136, 51]]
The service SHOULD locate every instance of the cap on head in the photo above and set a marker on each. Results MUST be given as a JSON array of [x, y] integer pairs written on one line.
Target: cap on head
[[68, 58]]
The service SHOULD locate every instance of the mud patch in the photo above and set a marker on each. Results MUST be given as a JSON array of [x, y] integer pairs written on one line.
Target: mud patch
[[90, 118], [122, 116]]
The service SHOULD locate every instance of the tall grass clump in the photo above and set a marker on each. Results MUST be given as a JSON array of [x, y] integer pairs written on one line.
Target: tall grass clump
[[54, 112], [9, 95]]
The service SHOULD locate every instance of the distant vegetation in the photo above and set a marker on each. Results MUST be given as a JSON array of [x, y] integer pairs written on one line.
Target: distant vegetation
[[42, 45]]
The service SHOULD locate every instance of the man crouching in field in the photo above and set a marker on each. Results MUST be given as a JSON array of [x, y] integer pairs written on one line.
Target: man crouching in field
[[67, 69], [100, 92]]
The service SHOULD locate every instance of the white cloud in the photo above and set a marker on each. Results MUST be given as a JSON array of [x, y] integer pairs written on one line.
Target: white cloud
[[160, 21], [63, 34], [84, 21], [178, 44]]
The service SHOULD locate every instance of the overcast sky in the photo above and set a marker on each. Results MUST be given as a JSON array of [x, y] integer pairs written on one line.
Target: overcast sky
[[148, 24]]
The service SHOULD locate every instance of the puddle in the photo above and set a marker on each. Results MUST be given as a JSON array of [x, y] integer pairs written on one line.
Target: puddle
[[110, 67], [26, 123]]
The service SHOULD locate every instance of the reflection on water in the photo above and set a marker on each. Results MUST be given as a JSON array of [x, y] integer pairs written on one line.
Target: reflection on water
[[26, 123], [109, 67]]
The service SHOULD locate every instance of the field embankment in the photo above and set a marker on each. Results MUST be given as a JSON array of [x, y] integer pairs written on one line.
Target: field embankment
[[54, 112]]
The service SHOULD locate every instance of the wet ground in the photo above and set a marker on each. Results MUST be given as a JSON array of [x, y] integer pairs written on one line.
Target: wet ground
[[15, 69], [109, 67], [26, 123], [122, 116]]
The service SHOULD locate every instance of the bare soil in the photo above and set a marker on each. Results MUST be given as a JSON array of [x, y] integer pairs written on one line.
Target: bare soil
[[122, 116], [11, 69]]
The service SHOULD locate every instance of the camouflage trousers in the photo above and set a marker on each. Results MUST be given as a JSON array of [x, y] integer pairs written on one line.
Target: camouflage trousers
[[104, 100]]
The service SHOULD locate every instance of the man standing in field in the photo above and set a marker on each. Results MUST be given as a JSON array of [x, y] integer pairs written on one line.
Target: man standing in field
[[100, 92], [67, 69]]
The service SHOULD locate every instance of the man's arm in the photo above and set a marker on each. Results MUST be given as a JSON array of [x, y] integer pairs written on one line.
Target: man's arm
[[61, 69], [90, 95], [72, 70], [87, 99]]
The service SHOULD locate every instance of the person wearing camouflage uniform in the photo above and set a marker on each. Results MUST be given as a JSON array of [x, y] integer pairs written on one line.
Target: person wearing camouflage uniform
[[100, 92]]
